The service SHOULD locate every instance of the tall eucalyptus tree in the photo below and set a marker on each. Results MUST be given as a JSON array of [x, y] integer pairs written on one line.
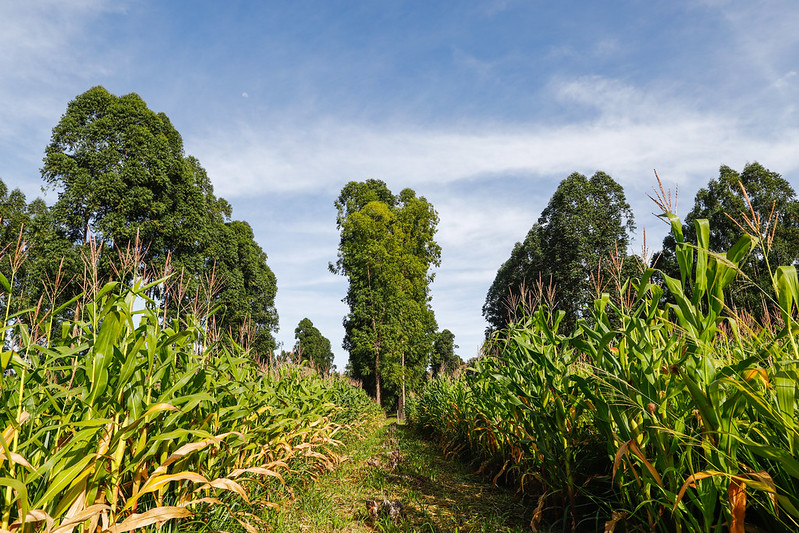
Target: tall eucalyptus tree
[[387, 250], [121, 174], [585, 221]]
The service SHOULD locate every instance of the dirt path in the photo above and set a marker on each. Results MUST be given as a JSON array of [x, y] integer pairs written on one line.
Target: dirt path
[[394, 464]]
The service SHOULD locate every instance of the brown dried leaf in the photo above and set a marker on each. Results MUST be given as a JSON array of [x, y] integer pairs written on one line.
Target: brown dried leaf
[[159, 514]]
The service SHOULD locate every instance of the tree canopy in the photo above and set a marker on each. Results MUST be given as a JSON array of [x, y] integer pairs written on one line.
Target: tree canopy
[[387, 251], [444, 360], [119, 168], [585, 221], [248, 287], [39, 257], [312, 346], [122, 177]]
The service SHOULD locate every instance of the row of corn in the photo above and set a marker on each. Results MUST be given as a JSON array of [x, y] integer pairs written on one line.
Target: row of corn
[[124, 419], [656, 414]]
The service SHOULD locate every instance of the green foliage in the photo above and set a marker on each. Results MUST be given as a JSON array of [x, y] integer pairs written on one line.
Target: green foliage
[[248, 288], [386, 250], [313, 346], [526, 260], [119, 169], [35, 253], [768, 211], [443, 359], [649, 416], [585, 222], [122, 181]]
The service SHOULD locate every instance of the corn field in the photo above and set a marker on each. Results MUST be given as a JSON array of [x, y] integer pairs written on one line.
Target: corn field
[[655, 414], [123, 418]]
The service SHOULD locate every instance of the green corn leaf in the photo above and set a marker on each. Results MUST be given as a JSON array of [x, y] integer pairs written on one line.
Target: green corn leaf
[[783, 457], [108, 287], [5, 358], [21, 494], [676, 226], [68, 304], [740, 249], [786, 399], [143, 290], [702, 247], [702, 402], [684, 306], [132, 360], [66, 477], [787, 287], [788, 505]]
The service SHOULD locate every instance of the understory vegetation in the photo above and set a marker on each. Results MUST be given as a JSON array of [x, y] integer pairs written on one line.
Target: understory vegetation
[[662, 410], [393, 480]]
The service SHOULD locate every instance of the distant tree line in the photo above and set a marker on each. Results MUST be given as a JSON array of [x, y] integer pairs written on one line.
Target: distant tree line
[[577, 250], [123, 180]]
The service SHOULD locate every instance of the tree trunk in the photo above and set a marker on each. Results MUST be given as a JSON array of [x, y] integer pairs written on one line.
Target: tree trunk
[[377, 364], [86, 217], [401, 406], [377, 379], [377, 344]]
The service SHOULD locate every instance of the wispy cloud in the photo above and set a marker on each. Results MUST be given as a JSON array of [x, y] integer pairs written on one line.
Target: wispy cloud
[[759, 57], [628, 132], [46, 60], [36, 34], [765, 31]]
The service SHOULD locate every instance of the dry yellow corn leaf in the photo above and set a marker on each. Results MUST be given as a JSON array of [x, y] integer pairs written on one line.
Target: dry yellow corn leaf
[[159, 514], [68, 525]]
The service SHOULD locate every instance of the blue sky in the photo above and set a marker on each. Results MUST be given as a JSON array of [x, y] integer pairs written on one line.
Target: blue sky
[[481, 107]]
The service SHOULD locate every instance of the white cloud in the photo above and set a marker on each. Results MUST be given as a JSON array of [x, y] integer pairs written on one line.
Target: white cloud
[[765, 30], [44, 63], [631, 133], [32, 31], [599, 50], [762, 50], [42, 41], [786, 81]]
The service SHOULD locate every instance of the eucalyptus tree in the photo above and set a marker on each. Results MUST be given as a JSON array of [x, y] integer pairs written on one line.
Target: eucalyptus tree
[[444, 360], [14, 223], [768, 210], [312, 346], [247, 288], [13, 215], [122, 176], [585, 222], [387, 250], [520, 271]]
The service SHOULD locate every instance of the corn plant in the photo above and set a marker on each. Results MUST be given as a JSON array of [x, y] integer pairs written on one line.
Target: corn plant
[[116, 421], [673, 414]]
